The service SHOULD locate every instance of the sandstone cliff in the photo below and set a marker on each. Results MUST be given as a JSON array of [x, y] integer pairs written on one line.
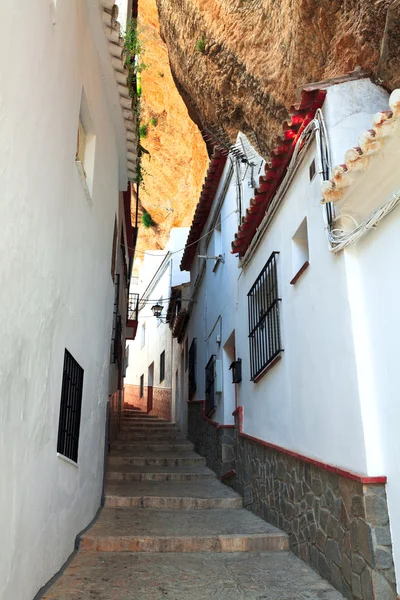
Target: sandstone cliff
[[175, 166], [239, 63]]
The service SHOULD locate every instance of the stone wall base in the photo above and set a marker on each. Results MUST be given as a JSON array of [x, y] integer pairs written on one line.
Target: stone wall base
[[339, 525], [161, 404]]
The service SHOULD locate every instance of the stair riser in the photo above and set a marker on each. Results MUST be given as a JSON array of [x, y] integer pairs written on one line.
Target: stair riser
[[129, 477], [154, 447], [173, 503], [222, 543], [138, 461], [149, 426], [142, 435]]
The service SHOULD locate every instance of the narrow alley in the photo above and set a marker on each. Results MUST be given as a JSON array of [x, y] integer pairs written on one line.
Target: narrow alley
[[170, 529]]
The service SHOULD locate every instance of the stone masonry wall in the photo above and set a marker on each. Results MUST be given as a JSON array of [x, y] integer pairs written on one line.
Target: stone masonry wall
[[161, 400], [336, 524], [217, 444]]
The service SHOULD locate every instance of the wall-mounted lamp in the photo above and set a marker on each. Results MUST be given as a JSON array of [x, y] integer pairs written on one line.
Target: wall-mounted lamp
[[236, 368], [157, 310]]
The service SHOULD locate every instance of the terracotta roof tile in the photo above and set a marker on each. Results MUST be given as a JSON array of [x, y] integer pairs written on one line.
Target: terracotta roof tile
[[203, 207], [357, 159], [275, 168]]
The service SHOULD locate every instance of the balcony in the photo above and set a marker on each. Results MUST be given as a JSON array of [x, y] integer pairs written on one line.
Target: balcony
[[132, 317]]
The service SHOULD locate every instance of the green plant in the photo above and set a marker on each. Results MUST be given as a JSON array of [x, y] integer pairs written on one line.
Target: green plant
[[147, 220], [160, 74], [143, 130], [201, 44], [154, 121]]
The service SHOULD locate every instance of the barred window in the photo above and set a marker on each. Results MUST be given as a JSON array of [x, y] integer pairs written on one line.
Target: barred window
[[70, 408], [162, 366], [141, 391], [192, 368], [264, 323]]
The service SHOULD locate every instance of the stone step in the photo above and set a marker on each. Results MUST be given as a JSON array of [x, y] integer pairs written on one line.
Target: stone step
[[129, 473], [139, 417], [150, 425], [154, 530], [153, 437], [147, 459], [192, 495], [235, 576], [150, 446]]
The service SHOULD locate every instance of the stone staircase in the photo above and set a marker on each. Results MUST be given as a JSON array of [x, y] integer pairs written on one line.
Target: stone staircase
[[171, 529]]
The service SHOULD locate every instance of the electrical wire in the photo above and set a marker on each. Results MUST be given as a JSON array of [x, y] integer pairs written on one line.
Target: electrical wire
[[187, 245], [342, 239]]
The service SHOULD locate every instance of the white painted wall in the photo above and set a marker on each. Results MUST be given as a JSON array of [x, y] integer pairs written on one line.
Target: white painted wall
[[214, 313], [56, 284], [157, 274], [373, 295]]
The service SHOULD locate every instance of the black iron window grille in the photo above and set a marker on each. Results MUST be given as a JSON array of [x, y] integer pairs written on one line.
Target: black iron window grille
[[141, 386], [192, 368], [116, 342], [162, 366], [210, 386], [133, 307], [264, 322], [70, 408]]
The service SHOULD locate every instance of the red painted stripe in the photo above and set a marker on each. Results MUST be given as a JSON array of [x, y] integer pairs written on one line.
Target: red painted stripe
[[327, 467]]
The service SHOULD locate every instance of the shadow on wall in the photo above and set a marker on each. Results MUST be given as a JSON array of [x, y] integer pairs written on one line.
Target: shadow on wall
[[160, 400]]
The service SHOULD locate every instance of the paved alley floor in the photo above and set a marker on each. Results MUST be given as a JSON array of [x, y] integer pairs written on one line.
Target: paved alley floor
[[171, 530]]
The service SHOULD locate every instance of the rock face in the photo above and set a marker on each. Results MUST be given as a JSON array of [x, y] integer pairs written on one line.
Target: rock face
[[239, 63], [175, 168]]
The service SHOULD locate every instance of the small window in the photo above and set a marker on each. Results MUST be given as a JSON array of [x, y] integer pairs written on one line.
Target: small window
[[143, 336], [192, 368], [70, 408], [114, 249], [264, 319], [141, 391], [300, 251], [312, 169], [162, 366], [210, 404], [186, 354]]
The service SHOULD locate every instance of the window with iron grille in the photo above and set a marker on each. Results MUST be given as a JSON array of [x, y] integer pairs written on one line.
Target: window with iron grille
[[264, 324], [141, 386], [210, 386], [70, 408], [162, 366], [192, 368]]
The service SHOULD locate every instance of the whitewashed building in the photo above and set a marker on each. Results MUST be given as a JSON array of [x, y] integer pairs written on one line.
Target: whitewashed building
[[304, 311], [149, 382], [67, 153]]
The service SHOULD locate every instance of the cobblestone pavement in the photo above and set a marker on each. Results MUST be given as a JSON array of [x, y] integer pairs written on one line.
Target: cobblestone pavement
[[171, 530]]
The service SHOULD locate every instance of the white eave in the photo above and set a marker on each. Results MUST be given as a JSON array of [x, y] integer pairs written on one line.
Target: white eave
[[106, 29]]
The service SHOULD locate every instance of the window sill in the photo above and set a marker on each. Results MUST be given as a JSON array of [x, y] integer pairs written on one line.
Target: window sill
[[268, 367], [67, 460], [300, 272], [82, 177]]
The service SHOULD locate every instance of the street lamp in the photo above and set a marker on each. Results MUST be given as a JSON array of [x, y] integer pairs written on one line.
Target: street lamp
[[157, 310]]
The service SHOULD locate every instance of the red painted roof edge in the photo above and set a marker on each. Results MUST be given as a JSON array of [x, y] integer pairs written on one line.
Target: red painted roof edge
[[275, 169], [203, 208]]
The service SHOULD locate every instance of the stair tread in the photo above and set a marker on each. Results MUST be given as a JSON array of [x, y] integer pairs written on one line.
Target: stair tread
[[149, 522], [195, 470], [173, 489], [139, 452], [234, 576]]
